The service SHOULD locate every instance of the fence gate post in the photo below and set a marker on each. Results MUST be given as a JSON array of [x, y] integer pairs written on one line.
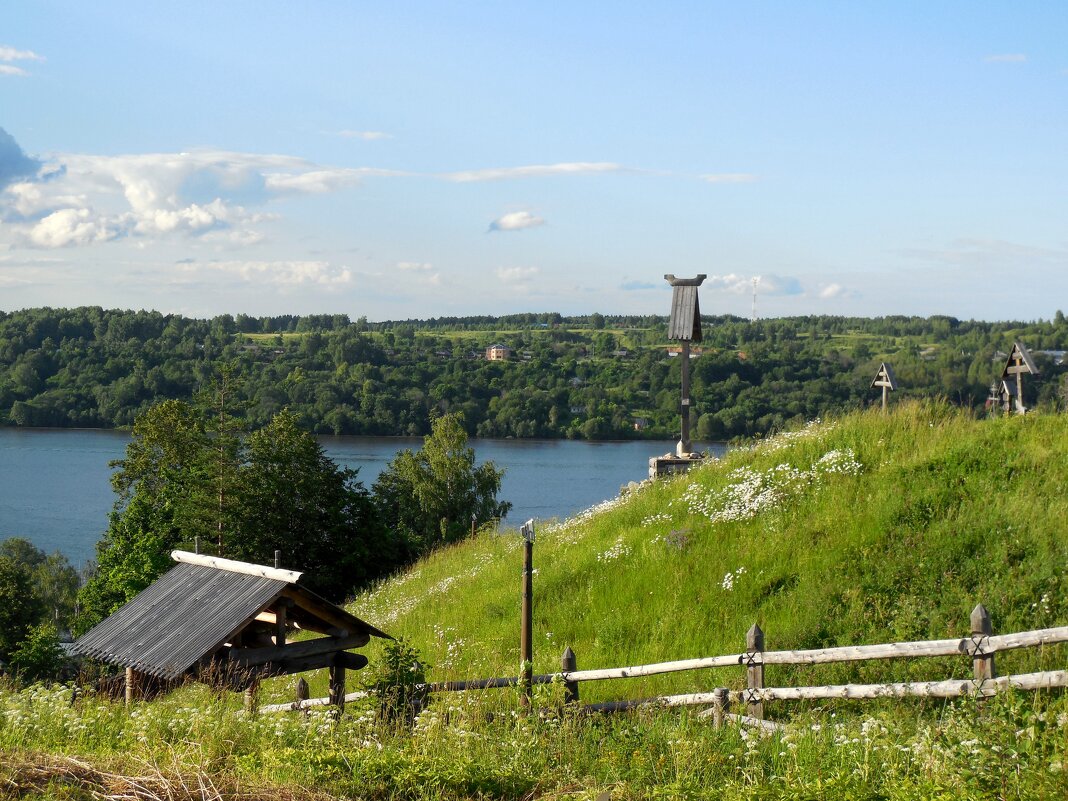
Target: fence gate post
[[754, 672], [982, 662], [568, 664]]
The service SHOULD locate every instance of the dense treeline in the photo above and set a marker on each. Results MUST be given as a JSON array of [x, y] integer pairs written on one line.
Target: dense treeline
[[594, 377]]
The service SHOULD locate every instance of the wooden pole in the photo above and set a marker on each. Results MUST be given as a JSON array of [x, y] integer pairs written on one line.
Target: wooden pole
[[132, 688], [982, 661], [277, 558], [884, 397], [526, 640], [251, 696], [721, 702], [337, 685], [1019, 389], [280, 615], [684, 406], [568, 663], [754, 672]]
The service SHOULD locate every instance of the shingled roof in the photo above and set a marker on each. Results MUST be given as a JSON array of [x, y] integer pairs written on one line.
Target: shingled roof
[[684, 325], [208, 609]]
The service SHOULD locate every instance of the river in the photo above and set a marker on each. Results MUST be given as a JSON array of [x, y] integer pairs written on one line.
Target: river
[[55, 483]]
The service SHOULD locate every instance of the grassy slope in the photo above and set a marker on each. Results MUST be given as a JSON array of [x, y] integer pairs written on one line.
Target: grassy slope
[[941, 512], [944, 512]]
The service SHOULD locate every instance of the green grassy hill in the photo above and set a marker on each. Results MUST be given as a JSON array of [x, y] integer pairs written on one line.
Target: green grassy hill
[[869, 528]]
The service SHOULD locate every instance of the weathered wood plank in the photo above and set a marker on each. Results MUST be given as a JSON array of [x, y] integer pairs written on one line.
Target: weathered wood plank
[[231, 566], [847, 653], [248, 657]]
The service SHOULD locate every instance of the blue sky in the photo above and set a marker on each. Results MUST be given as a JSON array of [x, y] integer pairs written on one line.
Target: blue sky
[[412, 160]]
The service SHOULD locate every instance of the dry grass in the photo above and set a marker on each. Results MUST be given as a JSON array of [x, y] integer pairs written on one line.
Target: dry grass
[[26, 776]]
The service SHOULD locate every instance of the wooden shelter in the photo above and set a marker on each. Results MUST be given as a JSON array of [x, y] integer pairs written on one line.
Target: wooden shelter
[[684, 326], [223, 621], [1018, 363]]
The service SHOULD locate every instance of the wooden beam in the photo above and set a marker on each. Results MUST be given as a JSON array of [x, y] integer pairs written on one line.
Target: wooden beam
[[248, 657], [233, 566], [287, 667]]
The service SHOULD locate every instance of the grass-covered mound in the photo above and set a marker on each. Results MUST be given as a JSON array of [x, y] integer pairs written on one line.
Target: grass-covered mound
[[859, 530], [870, 528]]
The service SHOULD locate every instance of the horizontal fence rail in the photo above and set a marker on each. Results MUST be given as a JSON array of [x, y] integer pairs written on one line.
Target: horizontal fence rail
[[980, 648]]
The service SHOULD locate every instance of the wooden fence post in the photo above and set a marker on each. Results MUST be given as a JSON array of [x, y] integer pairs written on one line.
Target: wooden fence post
[[337, 684], [251, 696], [132, 688], [754, 672], [301, 691], [982, 662], [721, 701], [568, 664]]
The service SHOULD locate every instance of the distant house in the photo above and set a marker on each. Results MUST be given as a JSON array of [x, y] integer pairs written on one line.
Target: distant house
[[498, 353], [640, 424]]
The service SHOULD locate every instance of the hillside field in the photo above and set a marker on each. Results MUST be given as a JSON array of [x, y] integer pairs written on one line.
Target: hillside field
[[862, 529]]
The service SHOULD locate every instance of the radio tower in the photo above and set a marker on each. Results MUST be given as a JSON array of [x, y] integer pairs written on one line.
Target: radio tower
[[756, 280]]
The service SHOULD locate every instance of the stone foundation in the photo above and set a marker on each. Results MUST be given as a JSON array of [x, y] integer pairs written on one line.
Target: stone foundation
[[671, 463]]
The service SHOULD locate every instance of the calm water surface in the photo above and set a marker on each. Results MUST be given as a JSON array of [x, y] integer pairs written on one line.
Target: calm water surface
[[55, 489]]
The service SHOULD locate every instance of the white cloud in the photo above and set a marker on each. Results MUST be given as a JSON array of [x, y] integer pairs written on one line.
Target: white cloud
[[516, 274], [534, 171], [836, 291], [7, 69], [8, 53], [68, 227], [1006, 58], [516, 221], [281, 274], [767, 284], [316, 182], [729, 178], [367, 136], [414, 266]]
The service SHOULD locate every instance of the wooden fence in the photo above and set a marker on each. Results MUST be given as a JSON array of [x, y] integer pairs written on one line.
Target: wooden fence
[[979, 648]]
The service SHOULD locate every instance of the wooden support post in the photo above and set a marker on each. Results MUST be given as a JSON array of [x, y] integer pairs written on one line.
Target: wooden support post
[[754, 673], [132, 686], [280, 615], [885, 389], [277, 558], [684, 407], [569, 664], [526, 640], [252, 696], [337, 685], [982, 662], [721, 701]]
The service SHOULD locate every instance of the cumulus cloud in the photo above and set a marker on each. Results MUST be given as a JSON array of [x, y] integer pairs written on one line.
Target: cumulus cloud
[[516, 274], [767, 284], [157, 194], [836, 291], [729, 178], [534, 171], [8, 69], [70, 227], [1006, 58], [414, 266], [516, 221], [14, 164], [279, 274]]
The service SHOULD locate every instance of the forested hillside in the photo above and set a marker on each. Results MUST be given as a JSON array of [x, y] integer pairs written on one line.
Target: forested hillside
[[593, 377]]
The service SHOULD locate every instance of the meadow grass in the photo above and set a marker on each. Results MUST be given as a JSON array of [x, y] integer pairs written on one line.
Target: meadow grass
[[867, 528]]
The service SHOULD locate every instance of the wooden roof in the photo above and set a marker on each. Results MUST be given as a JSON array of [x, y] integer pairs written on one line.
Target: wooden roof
[[1019, 361], [207, 609], [885, 377], [684, 325]]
